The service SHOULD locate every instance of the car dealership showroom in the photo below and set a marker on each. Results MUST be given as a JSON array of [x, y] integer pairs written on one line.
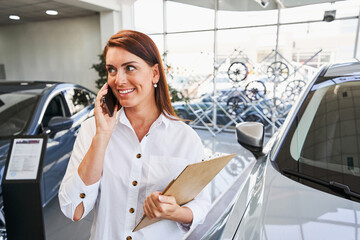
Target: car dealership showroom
[[207, 119]]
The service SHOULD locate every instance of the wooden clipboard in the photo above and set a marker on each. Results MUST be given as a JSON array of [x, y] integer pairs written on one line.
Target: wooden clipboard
[[190, 182]]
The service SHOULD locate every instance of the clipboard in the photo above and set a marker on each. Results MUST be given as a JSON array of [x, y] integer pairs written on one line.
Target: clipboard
[[190, 182]]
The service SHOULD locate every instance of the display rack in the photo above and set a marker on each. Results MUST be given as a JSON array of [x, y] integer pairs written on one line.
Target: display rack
[[248, 99]]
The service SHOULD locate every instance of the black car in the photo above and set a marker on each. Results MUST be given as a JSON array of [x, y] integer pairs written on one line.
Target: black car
[[53, 109]]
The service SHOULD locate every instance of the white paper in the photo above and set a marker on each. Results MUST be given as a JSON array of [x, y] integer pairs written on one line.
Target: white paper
[[24, 159]]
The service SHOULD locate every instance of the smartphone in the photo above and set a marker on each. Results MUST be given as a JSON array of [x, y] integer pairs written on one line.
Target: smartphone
[[110, 101]]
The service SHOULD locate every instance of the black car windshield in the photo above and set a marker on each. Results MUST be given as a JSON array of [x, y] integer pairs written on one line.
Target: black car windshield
[[324, 139], [15, 111]]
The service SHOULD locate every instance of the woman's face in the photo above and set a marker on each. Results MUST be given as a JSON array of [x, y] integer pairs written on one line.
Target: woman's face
[[131, 78]]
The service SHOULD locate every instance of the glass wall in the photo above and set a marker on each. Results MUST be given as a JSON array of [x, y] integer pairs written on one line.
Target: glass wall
[[183, 17], [259, 60], [148, 16], [304, 29], [234, 19], [187, 34], [190, 61]]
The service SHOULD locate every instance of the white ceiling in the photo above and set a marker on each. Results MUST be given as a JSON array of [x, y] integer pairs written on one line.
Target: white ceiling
[[251, 5], [34, 10]]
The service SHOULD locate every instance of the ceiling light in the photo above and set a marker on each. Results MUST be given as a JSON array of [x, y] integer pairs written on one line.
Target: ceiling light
[[51, 12], [14, 17]]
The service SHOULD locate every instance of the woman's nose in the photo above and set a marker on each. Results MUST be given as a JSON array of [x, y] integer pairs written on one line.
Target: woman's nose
[[120, 78]]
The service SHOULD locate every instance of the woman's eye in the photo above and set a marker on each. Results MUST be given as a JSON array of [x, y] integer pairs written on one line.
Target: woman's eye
[[130, 68], [111, 71]]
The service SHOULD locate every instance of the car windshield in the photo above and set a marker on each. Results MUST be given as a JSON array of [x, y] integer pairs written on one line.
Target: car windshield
[[324, 139], [15, 112]]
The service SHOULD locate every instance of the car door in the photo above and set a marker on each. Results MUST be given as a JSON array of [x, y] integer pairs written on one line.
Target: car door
[[77, 104], [56, 150]]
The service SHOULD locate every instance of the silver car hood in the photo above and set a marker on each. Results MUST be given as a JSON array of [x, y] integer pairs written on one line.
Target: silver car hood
[[280, 208]]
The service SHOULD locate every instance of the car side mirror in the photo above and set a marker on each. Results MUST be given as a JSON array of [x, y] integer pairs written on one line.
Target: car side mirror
[[59, 123], [251, 135]]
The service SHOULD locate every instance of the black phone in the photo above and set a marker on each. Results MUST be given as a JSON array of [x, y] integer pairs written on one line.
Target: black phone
[[110, 101]]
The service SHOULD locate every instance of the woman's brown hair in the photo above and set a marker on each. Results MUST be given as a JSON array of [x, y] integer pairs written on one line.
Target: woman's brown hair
[[143, 46]]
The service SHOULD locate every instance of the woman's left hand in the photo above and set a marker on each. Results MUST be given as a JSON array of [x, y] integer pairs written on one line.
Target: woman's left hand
[[158, 206]]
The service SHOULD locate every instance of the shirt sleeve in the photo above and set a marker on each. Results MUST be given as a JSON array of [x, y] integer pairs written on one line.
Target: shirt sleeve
[[201, 204], [73, 190]]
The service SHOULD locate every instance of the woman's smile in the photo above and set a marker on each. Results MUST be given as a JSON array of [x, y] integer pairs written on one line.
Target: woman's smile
[[125, 92]]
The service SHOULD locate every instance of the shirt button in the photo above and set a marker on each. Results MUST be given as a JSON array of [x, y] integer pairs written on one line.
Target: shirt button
[[147, 134], [128, 238], [138, 155], [82, 195], [131, 210], [134, 183]]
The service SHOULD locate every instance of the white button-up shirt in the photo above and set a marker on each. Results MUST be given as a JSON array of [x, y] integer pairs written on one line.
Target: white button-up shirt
[[132, 170]]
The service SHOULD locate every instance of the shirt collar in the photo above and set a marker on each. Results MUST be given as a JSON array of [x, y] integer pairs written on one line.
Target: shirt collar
[[122, 118]]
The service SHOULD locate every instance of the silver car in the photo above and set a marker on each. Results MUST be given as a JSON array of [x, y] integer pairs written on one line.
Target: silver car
[[305, 183]]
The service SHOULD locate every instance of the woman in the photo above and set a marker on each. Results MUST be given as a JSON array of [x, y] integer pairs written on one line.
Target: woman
[[120, 164]]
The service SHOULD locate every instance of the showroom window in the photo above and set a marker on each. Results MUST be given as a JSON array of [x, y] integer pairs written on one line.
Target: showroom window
[[234, 19], [190, 58], [149, 16], [257, 61], [184, 17], [227, 48], [303, 35], [246, 57]]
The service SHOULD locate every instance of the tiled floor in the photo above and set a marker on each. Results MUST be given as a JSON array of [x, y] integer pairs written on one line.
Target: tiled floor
[[57, 226]]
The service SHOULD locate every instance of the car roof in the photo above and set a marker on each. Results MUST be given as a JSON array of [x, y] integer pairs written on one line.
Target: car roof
[[349, 71], [30, 87], [25, 86], [343, 69]]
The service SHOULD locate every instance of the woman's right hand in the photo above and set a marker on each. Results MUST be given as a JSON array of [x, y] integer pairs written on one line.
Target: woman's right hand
[[104, 123]]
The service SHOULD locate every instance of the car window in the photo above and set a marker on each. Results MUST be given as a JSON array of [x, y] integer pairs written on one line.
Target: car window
[[54, 109], [302, 131], [330, 132], [15, 112], [77, 99], [324, 140]]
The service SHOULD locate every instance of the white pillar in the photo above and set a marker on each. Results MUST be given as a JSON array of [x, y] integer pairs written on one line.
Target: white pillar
[[114, 15], [113, 21], [127, 16], [110, 22]]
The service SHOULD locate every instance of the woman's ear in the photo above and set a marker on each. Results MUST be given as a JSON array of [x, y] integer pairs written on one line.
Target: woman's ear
[[156, 73]]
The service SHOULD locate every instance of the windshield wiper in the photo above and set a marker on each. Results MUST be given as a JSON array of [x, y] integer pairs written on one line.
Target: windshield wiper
[[336, 186]]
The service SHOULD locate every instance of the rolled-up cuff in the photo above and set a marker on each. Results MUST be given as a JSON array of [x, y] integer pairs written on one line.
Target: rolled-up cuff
[[76, 191]]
